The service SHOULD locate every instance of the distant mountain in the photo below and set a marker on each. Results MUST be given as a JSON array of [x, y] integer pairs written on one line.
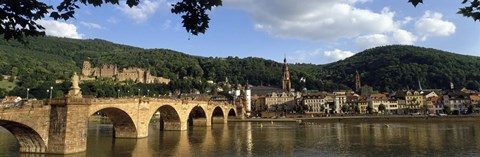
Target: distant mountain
[[44, 60]]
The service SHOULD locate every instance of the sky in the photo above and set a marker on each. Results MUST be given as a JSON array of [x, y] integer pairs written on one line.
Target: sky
[[305, 31]]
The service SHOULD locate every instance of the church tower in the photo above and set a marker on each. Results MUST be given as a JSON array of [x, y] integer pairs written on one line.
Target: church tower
[[358, 85], [286, 84]]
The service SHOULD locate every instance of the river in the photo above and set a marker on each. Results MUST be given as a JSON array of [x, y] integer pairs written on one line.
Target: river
[[282, 139]]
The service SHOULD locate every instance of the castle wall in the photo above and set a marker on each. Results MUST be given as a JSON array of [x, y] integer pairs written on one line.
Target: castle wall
[[137, 75]]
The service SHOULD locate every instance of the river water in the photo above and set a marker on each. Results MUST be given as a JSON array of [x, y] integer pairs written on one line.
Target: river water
[[283, 139]]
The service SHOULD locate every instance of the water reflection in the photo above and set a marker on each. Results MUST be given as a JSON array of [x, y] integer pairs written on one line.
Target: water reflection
[[282, 139]]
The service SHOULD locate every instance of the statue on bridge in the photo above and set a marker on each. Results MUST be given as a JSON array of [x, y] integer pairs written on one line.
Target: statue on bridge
[[74, 91]]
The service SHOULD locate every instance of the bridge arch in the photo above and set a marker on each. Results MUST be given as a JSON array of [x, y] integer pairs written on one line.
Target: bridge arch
[[232, 113], [28, 139], [123, 125], [218, 116], [169, 118], [197, 117]]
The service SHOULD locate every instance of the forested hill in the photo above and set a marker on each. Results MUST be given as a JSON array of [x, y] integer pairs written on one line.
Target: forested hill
[[43, 60], [396, 67]]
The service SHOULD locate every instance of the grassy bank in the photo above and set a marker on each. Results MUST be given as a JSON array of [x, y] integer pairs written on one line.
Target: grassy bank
[[7, 85]]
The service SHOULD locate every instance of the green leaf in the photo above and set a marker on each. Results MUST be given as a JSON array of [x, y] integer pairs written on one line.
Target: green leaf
[[415, 2]]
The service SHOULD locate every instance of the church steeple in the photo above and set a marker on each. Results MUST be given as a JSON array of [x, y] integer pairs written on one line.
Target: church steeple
[[419, 85], [358, 84], [286, 84]]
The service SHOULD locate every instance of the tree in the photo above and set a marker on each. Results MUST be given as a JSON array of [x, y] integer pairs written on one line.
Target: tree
[[13, 74], [344, 108], [472, 10], [470, 108], [382, 108], [369, 109], [447, 109], [19, 17], [357, 109]]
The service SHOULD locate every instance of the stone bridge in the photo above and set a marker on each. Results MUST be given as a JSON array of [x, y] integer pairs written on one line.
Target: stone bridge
[[60, 125]]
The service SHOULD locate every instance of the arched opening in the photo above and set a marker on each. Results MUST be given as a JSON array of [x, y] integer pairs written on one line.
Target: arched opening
[[232, 114], [119, 120], [197, 117], [110, 130], [28, 139], [217, 116], [168, 118]]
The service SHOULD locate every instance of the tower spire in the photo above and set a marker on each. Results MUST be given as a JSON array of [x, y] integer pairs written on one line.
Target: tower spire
[[358, 84], [419, 85], [286, 84]]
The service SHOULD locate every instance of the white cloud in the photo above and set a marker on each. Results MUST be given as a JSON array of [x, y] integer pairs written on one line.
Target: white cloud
[[60, 29], [91, 25], [166, 24], [112, 20], [373, 40], [432, 24], [337, 54], [398, 36], [142, 11], [316, 19], [302, 56], [403, 37]]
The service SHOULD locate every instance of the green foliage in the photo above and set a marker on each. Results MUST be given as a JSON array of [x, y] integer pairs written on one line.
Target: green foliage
[[396, 67], [195, 18], [472, 10], [19, 17], [7, 85], [415, 2], [470, 109], [357, 109], [447, 109], [369, 109], [381, 108], [344, 108], [38, 64]]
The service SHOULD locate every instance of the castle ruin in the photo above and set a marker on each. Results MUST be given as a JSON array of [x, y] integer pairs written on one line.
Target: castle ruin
[[137, 75]]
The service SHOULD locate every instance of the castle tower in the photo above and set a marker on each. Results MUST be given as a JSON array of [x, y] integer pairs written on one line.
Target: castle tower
[[248, 100], [286, 84], [86, 69], [358, 84]]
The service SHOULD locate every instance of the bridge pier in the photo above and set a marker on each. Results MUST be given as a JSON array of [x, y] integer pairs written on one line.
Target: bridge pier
[[68, 133], [174, 126], [218, 120], [200, 122]]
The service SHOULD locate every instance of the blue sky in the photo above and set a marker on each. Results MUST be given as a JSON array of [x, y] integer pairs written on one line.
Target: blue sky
[[307, 31]]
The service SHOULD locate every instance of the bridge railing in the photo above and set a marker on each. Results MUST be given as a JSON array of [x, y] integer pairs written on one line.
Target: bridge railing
[[23, 104], [101, 101], [114, 100]]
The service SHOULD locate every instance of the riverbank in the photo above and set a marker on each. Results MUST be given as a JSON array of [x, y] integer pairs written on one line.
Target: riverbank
[[396, 118]]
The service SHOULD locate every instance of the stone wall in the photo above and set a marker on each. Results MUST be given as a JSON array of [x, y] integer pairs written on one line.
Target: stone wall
[[138, 75]]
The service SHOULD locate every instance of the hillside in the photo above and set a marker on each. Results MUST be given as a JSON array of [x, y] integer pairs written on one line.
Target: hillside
[[398, 67], [44, 60]]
